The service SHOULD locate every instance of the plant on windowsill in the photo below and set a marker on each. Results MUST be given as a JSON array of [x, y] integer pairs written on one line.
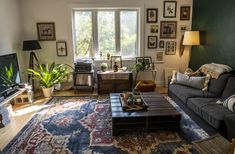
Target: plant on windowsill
[[103, 66], [48, 76]]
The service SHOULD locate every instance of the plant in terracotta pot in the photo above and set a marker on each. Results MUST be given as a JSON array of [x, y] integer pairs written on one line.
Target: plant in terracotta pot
[[48, 76], [103, 66]]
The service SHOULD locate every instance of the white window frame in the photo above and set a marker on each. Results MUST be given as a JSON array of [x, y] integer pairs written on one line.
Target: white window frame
[[117, 10]]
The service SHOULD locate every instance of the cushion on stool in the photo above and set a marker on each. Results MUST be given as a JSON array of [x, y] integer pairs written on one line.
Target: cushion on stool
[[145, 85]]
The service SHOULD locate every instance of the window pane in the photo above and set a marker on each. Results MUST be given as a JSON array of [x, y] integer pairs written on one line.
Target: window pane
[[106, 32], [83, 34], [128, 22]]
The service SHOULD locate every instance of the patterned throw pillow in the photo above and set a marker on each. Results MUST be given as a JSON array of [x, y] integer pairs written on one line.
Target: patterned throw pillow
[[229, 103]]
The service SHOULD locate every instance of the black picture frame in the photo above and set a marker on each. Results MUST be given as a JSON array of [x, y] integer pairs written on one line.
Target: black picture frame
[[152, 15], [170, 48], [169, 9], [139, 60], [168, 29], [46, 31], [61, 48], [185, 12], [152, 42]]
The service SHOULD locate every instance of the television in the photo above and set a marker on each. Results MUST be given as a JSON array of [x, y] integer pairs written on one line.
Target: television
[[9, 74]]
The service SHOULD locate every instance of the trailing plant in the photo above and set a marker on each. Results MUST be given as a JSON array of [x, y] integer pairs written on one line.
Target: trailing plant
[[49, 75]]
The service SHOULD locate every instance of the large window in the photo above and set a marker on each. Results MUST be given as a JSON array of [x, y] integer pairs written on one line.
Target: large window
[[101, 31]]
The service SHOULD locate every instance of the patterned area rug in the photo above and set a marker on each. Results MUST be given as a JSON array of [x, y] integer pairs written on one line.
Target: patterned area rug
[[83, 125]]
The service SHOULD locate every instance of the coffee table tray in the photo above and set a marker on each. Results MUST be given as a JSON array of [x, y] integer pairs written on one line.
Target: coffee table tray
[[133, 105]]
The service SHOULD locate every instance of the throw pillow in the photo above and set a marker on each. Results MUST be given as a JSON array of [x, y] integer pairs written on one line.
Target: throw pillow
[[229, 103], [206, 83], [173, 79], [195, 82]]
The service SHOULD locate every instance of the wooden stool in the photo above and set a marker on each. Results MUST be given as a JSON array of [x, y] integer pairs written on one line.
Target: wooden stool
[[21, 98]]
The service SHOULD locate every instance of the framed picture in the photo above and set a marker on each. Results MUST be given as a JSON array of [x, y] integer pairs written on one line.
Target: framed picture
[[159, 57], [161, 44], [169, 9], [147, 61], [152, 15], [139, 59], [170, 48], [168, 29], [185, 13], [46, 31], [117, 59], [183, 28], [154, 29], [61, 48], [152, 42]]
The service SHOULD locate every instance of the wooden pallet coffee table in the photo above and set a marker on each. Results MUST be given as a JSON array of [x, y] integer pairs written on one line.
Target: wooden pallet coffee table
[[159, 115]]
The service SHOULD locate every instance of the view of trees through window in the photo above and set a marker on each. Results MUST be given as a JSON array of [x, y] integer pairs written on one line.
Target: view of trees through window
[[98, 32]]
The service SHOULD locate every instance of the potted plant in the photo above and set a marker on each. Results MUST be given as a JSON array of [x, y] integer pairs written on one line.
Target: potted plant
[[103, 66], [48, 76]]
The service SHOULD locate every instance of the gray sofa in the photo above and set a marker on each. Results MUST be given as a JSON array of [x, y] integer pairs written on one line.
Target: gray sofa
[[202, 107]]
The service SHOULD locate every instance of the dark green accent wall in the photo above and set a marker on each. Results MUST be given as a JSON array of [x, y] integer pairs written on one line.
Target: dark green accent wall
[[216, 20]]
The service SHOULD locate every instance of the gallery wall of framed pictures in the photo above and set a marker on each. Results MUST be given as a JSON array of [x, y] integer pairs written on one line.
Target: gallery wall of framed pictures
[[165, 27]]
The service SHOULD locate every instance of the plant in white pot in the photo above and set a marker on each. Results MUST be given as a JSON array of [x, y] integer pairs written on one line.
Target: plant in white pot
[[48, 76]]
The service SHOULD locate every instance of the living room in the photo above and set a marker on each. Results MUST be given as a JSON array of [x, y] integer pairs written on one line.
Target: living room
[[129, 31]]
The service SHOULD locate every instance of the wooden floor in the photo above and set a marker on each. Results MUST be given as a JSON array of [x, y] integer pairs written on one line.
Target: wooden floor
[[23, 112]]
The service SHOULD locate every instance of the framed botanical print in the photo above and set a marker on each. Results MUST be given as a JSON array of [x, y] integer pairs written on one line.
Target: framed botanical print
[[168, 29], [169, 9], [159, 57], [154, 29], [46, 31], [152, 42], [170, 48], [61, 48], [152, 15], [117, 59], [185, 13]]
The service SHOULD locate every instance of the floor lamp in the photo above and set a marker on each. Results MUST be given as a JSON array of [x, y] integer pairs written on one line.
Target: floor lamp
[[31, 45]]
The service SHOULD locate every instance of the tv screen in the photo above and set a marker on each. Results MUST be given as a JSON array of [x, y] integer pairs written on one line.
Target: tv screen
[[9, 72]]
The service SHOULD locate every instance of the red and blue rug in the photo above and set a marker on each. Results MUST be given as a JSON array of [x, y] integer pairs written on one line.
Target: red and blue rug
[[83, 125]]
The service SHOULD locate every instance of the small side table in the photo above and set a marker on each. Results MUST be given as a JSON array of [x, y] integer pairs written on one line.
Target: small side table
[[77, 85], [215, 144]]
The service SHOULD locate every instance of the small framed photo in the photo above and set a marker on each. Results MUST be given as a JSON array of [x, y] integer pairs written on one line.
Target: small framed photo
[[46, 31], [154, 29], [159, 57], [169, 9], [168, 29], [139, 60], [183, 28], [117, 59], [152, 42], [161, 44], [185, 13], [170, 48], [147, 61], [152, 15], [61, 48]]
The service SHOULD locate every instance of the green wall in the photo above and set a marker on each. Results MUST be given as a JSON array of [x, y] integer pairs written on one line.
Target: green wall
[[216, 20]]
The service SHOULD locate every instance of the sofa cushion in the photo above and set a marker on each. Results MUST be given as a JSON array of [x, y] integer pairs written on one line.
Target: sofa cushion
[[229, 88], [216, 86], [197, 103], [185, 92], [214, 114]]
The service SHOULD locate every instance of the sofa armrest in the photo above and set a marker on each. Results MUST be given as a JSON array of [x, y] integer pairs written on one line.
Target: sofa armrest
[[229, 121]]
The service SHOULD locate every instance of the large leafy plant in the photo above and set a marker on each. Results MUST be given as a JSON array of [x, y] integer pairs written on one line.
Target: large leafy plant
[[49, 75], [7, 77]]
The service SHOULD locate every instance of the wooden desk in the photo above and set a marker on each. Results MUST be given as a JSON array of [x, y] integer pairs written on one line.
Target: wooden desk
[[112, 82]]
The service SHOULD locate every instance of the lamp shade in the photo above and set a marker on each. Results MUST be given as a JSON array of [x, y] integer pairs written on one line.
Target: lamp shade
[[31, 45], [191, 38]]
